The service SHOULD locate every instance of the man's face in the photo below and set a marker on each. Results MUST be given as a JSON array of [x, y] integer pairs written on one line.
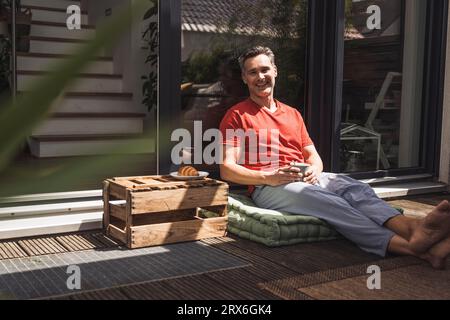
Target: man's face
[[259, 75]]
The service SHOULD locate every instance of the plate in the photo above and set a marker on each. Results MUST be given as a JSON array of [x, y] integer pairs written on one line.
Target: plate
[[201, 175]]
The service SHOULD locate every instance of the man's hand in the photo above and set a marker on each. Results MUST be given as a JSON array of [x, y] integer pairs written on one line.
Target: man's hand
[[312, 175], [284, 175]]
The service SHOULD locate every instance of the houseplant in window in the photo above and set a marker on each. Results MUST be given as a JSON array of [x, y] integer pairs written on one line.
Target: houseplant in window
[[23, 23], [150, 35], [3, 20], [5, 53], [5, 57]]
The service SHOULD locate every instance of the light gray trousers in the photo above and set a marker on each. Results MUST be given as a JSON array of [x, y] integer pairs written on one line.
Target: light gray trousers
[[350, 206]]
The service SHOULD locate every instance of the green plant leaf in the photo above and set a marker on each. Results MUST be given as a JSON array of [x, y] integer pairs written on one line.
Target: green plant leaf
[[69, 174]]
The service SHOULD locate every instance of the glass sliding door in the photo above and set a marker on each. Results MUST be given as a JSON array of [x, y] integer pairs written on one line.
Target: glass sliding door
[[214, 33], [383, 78]]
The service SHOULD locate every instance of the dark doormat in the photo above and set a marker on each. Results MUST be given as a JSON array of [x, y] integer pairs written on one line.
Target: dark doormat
[[400, 278], [50, 275]]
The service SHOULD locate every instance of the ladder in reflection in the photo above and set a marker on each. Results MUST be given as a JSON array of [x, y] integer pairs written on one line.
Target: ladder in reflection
[[379, 103]]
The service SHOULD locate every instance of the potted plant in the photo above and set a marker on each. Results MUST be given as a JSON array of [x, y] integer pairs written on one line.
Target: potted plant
[[5, 70], [5, 51], [23, 23]]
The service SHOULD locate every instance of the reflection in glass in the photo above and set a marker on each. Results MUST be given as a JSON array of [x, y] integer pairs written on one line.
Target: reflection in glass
[[382, 89], [103, 116], [214, 33]]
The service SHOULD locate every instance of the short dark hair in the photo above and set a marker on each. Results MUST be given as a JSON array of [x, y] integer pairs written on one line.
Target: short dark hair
[[253, 52]]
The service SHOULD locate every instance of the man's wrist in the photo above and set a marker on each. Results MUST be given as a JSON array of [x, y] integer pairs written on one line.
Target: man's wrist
[[318, 169], [263, 177]]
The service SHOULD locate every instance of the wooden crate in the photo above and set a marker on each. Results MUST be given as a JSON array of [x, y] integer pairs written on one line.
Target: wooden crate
[[154, 210]]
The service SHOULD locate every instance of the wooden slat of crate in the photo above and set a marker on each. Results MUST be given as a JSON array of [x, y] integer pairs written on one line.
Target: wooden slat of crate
[[196, 229], [168, 200], [149, 182], [179, 184], [117, 233], [128, 217], [136, 177], [116, 190], [220, 210], [106, 205], [118, 211], [163, 217], [148, 179]]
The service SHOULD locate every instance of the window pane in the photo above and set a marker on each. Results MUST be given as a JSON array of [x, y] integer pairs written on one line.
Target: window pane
[[214, 33], [100, 118], [382, 89]]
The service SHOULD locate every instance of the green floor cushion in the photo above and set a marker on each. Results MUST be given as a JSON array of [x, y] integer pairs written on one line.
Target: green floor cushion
[[271, 227]]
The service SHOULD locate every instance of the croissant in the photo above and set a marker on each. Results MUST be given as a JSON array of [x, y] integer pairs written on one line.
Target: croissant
[[187, 171]]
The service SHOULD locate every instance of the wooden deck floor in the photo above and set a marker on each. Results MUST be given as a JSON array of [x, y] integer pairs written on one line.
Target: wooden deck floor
[[322, 270]]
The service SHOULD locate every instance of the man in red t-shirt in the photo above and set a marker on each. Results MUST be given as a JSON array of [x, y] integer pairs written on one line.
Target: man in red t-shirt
[[275, 136]]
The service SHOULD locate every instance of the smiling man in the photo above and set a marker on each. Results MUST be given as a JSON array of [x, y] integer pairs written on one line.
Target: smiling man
[[350, 206]]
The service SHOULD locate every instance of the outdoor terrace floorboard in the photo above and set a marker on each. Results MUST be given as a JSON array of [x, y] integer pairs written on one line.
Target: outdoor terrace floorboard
[[334, 269]]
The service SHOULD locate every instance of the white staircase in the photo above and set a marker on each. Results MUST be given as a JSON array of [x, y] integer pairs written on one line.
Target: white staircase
[[52, 4], [94, 116], [32, 61]]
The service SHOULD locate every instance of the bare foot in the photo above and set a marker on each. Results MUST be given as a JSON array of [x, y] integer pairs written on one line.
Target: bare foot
[[432, 229], [437, 255], [435, 262]]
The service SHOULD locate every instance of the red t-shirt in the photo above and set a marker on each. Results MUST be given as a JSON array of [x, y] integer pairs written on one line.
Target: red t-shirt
[[285, 125]]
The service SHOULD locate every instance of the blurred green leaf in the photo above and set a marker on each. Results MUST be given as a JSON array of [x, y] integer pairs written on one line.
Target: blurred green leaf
[[69, 174]]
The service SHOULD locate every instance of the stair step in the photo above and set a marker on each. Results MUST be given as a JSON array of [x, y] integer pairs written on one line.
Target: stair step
[[99, 94], [96, 102], [82, 145], [86, 137], [123, 95], [38, 6], [100, 103], [57, 4], [88, 124], [57, 45], [59, 30], [45, 61], [85, 82], [81, 74], [55, 55], [55, 39], [49, 14], [97, 115], [60, 24]]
